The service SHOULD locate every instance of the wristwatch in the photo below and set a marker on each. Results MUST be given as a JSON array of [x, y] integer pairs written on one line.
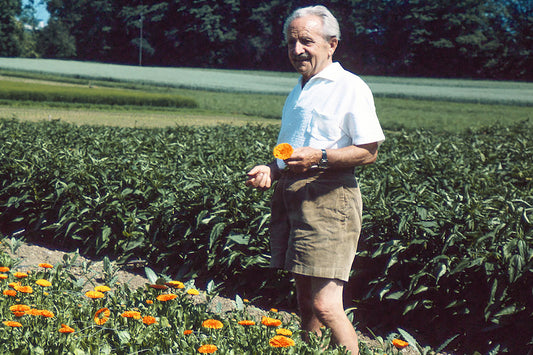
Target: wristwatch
[[323, 162]]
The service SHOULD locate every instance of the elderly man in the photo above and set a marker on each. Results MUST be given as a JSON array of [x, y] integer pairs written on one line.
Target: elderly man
[[330, 120]]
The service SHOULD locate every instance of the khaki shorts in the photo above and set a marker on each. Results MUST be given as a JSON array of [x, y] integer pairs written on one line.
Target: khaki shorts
[[315, 223]]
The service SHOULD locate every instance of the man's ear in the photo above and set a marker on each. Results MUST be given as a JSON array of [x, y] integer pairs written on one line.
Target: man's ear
[[333, 43]]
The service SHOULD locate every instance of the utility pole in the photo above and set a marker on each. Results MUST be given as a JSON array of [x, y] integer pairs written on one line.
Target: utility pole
[[141, 36]]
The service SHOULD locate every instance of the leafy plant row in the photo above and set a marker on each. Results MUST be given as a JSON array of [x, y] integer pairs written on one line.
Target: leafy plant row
[[92, 95], [447, 236]]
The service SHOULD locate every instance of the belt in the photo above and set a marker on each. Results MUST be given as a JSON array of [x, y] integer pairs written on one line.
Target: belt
[[317, 171]]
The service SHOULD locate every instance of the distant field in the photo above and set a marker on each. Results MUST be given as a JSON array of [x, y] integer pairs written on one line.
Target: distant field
[[476, 91]]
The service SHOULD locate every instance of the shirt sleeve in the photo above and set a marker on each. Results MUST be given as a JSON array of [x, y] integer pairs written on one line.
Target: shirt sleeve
[[361, 121]]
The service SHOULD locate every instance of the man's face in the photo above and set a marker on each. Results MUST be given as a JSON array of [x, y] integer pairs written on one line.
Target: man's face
[[308, 51]]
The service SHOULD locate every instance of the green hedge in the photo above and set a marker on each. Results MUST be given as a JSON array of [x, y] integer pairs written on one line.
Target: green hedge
[[447, 238], [92, 95]]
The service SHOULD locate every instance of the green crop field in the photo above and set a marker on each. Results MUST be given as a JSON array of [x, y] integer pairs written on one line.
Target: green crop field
[[447, 247]]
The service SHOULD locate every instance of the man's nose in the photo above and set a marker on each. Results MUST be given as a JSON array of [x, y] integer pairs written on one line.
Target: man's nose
[[297, 48]]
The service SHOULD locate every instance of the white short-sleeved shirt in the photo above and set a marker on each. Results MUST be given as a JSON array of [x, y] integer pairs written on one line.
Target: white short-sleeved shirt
[[334, 109]]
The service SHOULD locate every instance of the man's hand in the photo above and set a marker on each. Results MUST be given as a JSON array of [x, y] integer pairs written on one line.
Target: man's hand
[[260, 177], [302, 159]]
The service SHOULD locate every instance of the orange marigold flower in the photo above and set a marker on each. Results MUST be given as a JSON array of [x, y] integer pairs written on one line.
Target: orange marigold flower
[[212, 324], [33, 312], [20, 275], [246, 322], [102, 288], [19, 314], [175, 284], [102, 315], [207, 349], [149, 302], [4, 269], [46, 265], [158, 287], [19, 308], [187, 332], [283, 331], [24, 289], [270, 322], [283, 151], [46, 313], [65, 329], [11, 293], [149, 320], [94, 294], [43, 283], [275, 310], [280, 341], [131, 314], [13, 284], [166, 297], [11, 323], [3, 276], [399, 343]]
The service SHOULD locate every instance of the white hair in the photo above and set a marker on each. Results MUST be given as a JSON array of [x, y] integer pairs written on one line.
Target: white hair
[[330, 25]]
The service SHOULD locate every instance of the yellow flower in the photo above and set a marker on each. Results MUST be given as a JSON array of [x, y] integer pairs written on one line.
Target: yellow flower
[[246, 322], [270, 322], [399, 344], [104, 318], [131, 314], [102, 288], [11, 323], [149, 320], [212, 324], [280, 341], [43, 283], [207, 349], [65, 329], [166, 297], [283, 331], [3, 277], [193, 291], [46, 265], [94, 294], [175, 284], [275, 310], [20, 275], [283, 151]]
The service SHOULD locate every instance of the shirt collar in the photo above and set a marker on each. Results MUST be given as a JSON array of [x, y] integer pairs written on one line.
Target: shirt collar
[[332, 72]]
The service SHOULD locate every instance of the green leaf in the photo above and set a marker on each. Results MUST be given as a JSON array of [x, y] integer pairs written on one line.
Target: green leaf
[[151, 275]]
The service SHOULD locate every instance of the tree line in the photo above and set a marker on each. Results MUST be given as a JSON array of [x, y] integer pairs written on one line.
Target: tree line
[[445, 38]]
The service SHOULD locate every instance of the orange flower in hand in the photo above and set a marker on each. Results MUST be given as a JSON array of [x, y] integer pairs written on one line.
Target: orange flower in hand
[[399, 344], [283, 151]]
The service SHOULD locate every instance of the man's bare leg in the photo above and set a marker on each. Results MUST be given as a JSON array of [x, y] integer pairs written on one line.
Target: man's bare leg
[[320, 303]]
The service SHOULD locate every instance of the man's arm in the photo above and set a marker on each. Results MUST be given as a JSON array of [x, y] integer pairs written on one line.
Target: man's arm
[[354, 155]]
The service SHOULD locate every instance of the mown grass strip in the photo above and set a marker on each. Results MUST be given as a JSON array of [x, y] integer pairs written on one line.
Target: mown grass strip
[[479, 91], [20, 91]]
